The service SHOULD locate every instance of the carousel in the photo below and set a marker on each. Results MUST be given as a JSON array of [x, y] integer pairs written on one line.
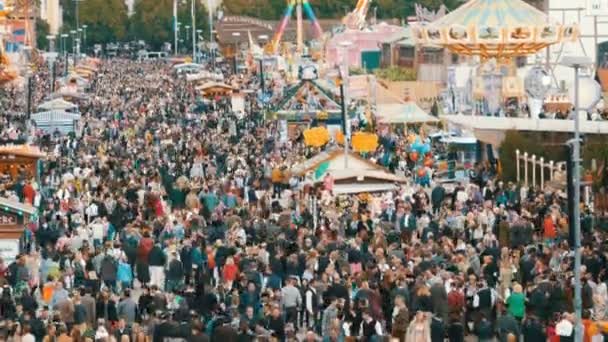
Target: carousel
[[495, 32], [499, 29]]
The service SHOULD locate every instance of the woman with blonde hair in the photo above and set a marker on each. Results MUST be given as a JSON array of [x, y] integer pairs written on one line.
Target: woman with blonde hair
[[506, 272], [419, 329]]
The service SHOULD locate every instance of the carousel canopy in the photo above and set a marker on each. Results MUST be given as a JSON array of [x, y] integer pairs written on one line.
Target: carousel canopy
[[495, 29], [57, 104]]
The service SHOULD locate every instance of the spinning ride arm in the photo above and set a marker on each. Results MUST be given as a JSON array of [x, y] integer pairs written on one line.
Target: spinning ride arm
[[274, 43], [356, 18], [312, 17]]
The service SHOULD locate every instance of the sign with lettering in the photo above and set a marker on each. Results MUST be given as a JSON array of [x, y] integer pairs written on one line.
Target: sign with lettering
[[597, 7], [6, 219], [9, 248]]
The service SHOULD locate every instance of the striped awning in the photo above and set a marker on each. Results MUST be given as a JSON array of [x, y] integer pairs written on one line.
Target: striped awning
[[53, 120]]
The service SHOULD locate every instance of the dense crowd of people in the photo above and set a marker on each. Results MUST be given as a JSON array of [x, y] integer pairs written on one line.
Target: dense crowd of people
[[166, 216]]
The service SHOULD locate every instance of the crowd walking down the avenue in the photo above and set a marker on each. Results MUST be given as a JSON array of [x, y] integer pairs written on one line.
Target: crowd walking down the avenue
[[165, 217]]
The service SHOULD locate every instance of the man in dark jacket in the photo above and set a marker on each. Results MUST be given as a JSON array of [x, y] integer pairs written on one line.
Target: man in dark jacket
[[533, 329], [108, 269], [437, 197], [106, 308], [157, 260], [175, 274], [506, 325], [437, 329], [439, 297]]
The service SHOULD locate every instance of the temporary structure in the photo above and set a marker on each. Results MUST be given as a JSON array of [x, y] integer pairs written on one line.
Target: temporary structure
[[59, 120], [495, 29], [351, 173], [403, 113], [214, 88], [57, 104]]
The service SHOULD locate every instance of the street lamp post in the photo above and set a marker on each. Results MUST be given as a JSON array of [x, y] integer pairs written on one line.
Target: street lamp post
[[84, 37], [196, 49], [186, 37], [236, 36], [193, 12], [30, 84], [576, 63], [64, 36], [175, 27]]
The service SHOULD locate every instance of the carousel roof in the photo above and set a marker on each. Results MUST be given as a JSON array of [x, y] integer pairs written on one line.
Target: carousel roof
[[495, 29]]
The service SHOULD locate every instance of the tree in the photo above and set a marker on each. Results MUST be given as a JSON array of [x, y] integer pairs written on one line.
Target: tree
[[386, 9], [152, 21], [42, 30], [107, 20]]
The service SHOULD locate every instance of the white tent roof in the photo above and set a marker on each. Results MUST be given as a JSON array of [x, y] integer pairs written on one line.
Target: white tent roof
[[55, 116], [406, 113], [187, 66], [57, 104], [353, 167]]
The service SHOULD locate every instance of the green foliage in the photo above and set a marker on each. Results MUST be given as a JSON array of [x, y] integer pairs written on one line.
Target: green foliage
[[386, 9], [355, 71], [107, 20], [152, 21], [42, 30], [396, 74]]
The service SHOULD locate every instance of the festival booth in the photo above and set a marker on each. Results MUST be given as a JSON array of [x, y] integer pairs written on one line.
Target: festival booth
[[187, 68], [14, 217], [205, 76], [56, 121], [214, 89], [17, 159], [75, 80], [58, 104], [351, 173]]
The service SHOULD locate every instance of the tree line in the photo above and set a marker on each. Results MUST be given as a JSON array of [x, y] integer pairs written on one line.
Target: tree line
[[108, 21]]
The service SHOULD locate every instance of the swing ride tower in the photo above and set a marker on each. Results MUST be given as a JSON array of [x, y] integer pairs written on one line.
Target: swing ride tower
[[300, 6]]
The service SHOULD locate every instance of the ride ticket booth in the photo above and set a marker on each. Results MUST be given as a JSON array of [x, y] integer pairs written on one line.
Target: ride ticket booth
[[14, 218]]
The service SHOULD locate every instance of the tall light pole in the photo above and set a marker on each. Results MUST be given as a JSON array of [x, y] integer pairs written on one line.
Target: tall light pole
[[175, 27], [77, 14], [236, 36], [193, 10], [186, 37], [198, 36], [73, 33], [577, 63], [84, 37], [64, 36], [51, 59]]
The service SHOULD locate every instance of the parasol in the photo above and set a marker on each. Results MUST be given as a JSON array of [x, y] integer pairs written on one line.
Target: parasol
[[495, 29]]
